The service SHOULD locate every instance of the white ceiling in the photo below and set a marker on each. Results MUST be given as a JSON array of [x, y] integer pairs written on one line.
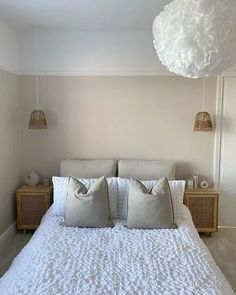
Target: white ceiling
[[83, 15]]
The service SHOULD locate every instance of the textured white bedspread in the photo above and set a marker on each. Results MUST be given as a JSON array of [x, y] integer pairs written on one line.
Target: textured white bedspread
[[71, 261]]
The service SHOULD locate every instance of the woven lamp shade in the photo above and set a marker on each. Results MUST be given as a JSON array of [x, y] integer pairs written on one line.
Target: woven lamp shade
[[37, 120], [203, 122]]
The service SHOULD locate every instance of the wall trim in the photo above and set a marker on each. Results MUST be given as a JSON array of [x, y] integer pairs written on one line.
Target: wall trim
[[227, 227], [219, 126], [8, 70], [9, 232], [218, 131], [231, 73], [220, 104], [99, 73], [90, 73]]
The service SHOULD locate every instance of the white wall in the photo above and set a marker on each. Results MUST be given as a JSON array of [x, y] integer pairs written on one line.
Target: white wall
[[134, 109], [8, 48], [90, 53]]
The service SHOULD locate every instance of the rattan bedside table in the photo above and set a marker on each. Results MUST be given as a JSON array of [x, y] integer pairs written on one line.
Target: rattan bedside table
[[203, 205], [32, 204]]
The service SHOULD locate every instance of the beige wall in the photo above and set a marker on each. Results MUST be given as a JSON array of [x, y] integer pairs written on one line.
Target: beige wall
[[100, 117], [118, 117], [10, 142]]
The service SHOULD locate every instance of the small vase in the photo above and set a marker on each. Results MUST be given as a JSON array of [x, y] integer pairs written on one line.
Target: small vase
[[32, 179]]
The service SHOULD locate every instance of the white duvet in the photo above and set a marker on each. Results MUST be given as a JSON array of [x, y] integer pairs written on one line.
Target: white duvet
[[71, 261]]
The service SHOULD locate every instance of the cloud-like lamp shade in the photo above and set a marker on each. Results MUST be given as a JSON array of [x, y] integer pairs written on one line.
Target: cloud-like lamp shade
[[196, 38]]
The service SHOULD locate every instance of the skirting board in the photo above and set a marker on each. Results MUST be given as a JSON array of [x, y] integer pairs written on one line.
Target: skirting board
[[9, 232]]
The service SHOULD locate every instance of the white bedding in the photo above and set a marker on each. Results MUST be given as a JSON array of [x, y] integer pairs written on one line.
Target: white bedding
[[71, 261]]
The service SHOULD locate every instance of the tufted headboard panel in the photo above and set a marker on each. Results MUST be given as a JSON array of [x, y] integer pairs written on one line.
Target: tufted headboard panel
[[146, 169]]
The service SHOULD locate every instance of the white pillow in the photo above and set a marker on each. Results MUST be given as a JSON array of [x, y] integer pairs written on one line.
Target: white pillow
[[177, 188], [177, 191], [60, 189]]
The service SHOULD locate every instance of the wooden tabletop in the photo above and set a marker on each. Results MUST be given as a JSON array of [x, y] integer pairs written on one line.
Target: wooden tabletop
[[36, 188]]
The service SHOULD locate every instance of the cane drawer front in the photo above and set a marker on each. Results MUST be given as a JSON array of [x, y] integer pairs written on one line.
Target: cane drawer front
[[32, 204], [32, 207], [204, 210]]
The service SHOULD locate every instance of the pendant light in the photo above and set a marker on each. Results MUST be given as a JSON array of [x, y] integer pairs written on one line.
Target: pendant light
[[203, 120], [37, 117], [196, 38]]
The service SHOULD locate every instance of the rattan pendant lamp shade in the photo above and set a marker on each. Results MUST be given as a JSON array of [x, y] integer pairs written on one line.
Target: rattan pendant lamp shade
[[203, 120], [37, 117], [37, 120]]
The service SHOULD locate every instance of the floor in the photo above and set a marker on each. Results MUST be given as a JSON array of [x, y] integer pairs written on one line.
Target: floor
[[10, 249], [221, 245]]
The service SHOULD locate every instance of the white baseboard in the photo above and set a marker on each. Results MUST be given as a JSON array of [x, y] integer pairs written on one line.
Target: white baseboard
[[9, 232], [227, 227]]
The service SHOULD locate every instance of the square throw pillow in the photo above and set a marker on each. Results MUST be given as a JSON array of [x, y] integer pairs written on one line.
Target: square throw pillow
[[87, 208], [60, 193], [177, 188], [150, 209]]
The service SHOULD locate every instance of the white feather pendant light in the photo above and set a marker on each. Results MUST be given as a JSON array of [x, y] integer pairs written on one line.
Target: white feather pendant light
[[196, 38]]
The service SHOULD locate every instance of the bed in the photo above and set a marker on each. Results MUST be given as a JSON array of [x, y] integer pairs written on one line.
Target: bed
[[117, 260]]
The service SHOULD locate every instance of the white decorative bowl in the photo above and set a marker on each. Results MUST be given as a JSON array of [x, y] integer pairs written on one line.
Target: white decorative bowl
[[32, 179]]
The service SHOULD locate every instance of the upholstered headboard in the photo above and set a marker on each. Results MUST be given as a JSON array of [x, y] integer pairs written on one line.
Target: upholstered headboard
[[140, 169], [146, 169], [88, 168]]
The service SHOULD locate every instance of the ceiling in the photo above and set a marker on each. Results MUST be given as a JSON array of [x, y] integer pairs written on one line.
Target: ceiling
[[83, 15]]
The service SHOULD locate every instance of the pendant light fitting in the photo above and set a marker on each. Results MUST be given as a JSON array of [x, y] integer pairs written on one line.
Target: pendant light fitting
[[203, 120], [37, 117]]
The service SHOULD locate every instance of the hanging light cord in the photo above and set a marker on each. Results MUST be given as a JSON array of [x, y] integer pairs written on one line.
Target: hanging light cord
[[36, 65], [203, 93]]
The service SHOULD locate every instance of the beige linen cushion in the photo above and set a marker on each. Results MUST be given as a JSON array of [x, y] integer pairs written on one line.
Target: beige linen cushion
[[149, 210], [87, 208]]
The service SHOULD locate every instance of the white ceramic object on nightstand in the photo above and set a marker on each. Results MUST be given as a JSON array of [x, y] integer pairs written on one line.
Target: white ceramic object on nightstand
[[32, 179], [204, 184]]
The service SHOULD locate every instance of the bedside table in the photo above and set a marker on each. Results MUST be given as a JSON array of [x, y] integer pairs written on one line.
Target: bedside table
[[203, 205], [32, 204]]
